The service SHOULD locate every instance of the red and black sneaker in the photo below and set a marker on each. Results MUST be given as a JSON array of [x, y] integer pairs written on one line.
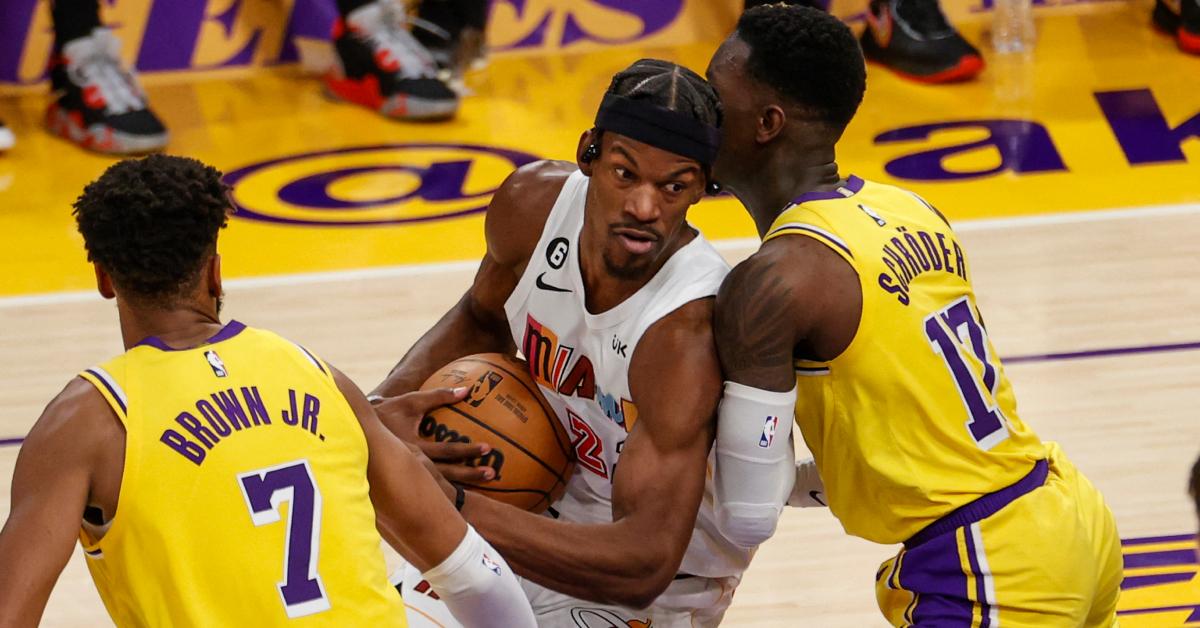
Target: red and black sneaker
[[1180, 18], [98, 104], [913, 38], [383, 67]]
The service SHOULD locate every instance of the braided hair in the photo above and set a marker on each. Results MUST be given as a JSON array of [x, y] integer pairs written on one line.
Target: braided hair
[[670, 86]]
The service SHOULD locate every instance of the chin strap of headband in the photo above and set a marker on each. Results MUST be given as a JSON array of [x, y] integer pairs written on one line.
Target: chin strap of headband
[[659, 127]]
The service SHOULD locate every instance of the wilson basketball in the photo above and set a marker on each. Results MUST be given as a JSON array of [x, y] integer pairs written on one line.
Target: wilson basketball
[[531, 452]]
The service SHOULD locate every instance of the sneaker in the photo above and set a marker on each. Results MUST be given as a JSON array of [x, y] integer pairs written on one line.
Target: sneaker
[[1180, 18], [913, 38], [98, 104], [466, 52], [384, 68], [455, 53], [7, 139]]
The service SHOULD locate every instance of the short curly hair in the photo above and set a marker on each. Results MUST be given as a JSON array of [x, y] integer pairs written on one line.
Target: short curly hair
[[807, 56], [151, 223]]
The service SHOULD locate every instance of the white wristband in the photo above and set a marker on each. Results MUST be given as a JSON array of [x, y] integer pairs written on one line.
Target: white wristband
[[754, 461], [478, 586]]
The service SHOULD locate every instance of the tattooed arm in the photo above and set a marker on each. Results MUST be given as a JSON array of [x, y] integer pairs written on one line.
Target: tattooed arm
[[756, 319], [771, 307], [794, 298]]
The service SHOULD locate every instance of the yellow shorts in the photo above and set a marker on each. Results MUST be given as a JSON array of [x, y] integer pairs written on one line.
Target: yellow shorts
[[1050, 557]]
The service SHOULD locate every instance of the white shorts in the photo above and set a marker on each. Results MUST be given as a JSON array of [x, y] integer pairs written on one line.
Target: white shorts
[[691, 602]]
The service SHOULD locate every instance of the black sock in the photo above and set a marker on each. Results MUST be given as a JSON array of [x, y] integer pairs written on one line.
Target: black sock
[[452, 16], [73, 19]]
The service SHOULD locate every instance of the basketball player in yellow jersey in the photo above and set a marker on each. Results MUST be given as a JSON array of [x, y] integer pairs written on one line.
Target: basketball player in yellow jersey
[[860, 301], [222, 475]]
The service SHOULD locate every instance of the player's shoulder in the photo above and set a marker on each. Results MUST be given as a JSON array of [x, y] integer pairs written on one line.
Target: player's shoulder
[[779, 264], [521, 206], [77, 415], [788, 274], [531, 189], [78, 395]]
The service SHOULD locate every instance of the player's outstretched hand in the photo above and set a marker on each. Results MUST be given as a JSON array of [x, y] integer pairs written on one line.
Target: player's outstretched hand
[[454, 461]]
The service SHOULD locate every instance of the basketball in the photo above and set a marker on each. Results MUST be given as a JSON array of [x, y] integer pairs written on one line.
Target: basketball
[[531, 452]]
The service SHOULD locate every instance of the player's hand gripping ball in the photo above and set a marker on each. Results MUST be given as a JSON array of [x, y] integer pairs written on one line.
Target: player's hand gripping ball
[[531, 452]]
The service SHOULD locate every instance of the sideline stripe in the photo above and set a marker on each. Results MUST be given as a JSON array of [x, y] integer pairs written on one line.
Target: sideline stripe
[[733, 244], [1100, 353], [1021, 359]]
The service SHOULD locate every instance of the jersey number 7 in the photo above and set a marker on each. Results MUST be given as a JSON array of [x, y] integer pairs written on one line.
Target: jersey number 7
[[265, 491], [956, 334]]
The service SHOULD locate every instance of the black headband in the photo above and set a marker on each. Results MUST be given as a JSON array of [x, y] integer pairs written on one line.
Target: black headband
[[659, 127]]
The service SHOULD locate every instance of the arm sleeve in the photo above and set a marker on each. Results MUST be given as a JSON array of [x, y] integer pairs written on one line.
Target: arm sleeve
[[755, 462], [479, 588]]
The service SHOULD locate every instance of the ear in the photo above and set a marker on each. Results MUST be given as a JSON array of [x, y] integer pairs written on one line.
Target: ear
[[104, 283], [214, 276], [587, 139], [771, 122], [699, 196]]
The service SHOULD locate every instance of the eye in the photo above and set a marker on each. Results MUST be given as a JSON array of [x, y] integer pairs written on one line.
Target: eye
[[622, 173], [676, 187]]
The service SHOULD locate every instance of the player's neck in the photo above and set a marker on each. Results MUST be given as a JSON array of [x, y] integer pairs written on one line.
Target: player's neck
[[783, 177], [179, 327], [603, 290]]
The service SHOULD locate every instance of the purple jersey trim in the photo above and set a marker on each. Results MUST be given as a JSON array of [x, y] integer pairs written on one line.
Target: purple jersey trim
[[983, 507], [104, 381], [313, 358], [853, 185], [231, 329], [824, 236]]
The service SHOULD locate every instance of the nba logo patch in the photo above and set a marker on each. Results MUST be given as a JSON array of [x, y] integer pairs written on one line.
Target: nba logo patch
[[768, 433], [215, 362], [491, 565]]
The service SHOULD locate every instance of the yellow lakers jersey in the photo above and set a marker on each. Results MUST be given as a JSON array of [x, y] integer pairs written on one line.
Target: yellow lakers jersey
[[916, 417], [244, 498]]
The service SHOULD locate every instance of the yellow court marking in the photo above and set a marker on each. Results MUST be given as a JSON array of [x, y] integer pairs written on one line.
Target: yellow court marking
[[1057, 132]]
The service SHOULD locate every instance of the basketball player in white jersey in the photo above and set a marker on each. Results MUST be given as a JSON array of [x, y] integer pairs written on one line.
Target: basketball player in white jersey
[[593, 274]]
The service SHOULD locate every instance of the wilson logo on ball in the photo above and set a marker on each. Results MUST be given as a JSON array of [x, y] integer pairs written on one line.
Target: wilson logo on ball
[[431, 429]]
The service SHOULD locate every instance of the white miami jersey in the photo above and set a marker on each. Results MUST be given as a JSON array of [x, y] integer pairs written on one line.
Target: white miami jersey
[[581, 361]]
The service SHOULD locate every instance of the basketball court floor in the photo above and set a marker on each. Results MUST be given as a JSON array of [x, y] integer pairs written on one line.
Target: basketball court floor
[[1073, 176]]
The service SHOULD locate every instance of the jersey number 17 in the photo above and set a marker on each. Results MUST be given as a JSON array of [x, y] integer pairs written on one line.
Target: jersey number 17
[[955, 333]]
